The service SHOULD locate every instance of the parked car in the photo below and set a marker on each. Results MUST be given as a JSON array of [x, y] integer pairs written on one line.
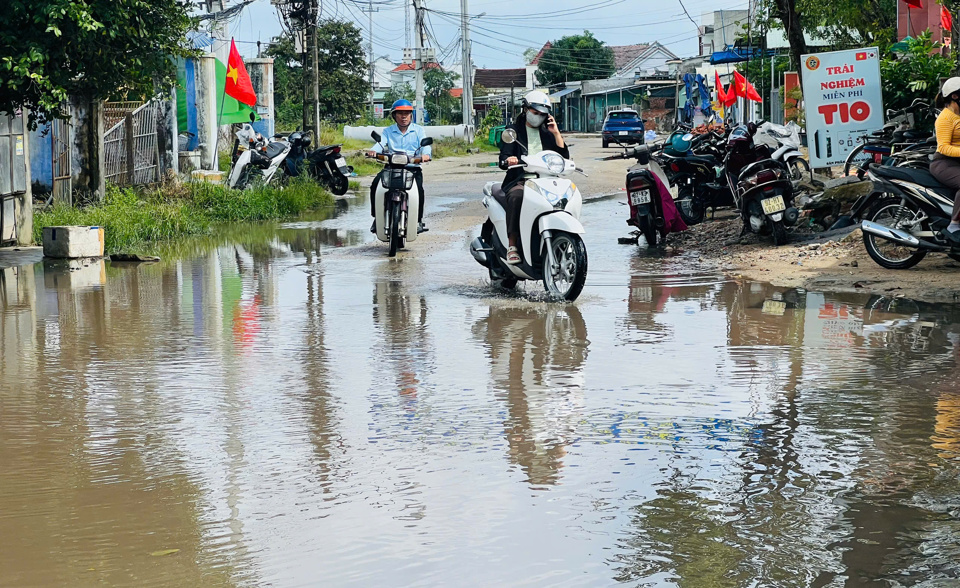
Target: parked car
[[623, 126]]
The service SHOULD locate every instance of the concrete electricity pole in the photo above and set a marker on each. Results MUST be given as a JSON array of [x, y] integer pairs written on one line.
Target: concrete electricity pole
[[467, 104], [418, 57], [370, 9], [311, 86]]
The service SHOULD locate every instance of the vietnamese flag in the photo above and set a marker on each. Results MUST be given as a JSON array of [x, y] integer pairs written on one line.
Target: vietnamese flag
[[745, 89], [721, 95], [237, 84], [913, 3], [946, 19]]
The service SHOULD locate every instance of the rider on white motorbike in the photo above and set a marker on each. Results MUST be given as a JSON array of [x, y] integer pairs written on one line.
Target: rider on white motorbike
[[536, 130], [406, 136]]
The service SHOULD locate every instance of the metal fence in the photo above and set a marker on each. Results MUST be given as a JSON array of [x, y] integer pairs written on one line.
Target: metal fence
[[130, 147]]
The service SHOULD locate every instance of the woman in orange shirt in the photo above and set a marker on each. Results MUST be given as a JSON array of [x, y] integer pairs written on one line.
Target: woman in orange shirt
[[946, 163]]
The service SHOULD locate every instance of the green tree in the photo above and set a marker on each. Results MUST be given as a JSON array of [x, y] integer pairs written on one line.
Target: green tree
[[344, 91], [397, 92], [442, 107], [94, 49], [575, 58], [914, 74]]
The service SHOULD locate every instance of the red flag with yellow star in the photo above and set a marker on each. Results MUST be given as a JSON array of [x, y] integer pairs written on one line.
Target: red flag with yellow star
[[237, 85]]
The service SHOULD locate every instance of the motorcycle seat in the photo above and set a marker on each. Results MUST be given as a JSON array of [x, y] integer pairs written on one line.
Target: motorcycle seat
[[326, 147], [917, 176], [276, 148], [499, 195]]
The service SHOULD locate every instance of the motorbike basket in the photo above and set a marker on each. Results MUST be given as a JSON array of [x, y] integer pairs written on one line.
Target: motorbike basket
[[397, 179]]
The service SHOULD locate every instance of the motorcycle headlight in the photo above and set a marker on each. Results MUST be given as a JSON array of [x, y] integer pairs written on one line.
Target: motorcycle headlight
[[554, 163], [399, 159], [560, 204]]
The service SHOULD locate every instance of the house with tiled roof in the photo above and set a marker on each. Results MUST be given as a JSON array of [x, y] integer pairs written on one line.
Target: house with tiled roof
[[641, 59], [406, 73], [498, 81]]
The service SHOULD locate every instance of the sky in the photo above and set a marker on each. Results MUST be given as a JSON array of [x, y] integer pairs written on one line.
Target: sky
[[506, 27]]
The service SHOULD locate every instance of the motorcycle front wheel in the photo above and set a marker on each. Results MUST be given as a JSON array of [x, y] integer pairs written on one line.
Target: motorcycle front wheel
[[689, 206], [851, 167], [567, 281], [891, 212], [395, 215], [799, 168]]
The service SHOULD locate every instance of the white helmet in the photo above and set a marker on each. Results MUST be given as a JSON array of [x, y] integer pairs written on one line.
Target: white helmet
[[950, 86], [540, 102]]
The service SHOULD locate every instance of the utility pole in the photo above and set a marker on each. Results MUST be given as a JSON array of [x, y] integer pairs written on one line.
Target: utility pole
[[311, 106], [370, 10], [418, 57], [467, 105]]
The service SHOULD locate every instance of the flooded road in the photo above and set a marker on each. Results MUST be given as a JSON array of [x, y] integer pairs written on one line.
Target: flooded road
[[288, 407]]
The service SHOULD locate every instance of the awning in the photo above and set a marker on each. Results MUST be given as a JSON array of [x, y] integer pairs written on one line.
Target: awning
[[556, 96], [613, 90]]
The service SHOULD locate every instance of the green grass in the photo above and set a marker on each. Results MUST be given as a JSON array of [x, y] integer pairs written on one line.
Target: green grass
[[136, 221]]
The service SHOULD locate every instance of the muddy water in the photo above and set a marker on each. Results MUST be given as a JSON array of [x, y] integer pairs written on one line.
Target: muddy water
[[295, 409]]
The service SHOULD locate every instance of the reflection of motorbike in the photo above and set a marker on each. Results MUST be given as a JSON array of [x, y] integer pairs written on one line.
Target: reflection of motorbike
[[537, 356], [402, 318]]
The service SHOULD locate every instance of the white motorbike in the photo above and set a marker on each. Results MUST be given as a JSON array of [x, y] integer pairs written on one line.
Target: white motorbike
[[255, 160], [397, 201], [550, 245], [784, 141]]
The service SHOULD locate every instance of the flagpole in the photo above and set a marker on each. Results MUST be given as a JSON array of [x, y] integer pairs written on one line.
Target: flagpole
[[216, 142]]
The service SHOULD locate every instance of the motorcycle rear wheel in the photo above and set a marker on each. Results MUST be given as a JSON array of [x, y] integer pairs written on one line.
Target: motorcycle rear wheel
[[690, 207], [571, 255], [889, 211], [338, 184], [649, 231], [779, 233]]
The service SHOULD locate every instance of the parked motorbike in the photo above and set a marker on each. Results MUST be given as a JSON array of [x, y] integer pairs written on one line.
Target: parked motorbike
[[255, 160], [898, 133], [644, 193], [906, 215], [786, 142], [761, 187], [699, 177], [325, 163], [397, 200], [550, 246]]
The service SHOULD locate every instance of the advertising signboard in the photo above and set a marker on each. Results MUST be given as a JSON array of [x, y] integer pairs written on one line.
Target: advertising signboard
[[843, 101]]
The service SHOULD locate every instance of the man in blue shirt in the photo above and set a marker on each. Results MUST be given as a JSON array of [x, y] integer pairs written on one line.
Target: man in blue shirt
[[402, 136]]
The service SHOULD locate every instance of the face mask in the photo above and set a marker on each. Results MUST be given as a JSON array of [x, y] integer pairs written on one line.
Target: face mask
[[535, 120]]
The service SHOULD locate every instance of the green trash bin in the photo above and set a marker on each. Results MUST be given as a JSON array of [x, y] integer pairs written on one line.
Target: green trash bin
[[495, 132]]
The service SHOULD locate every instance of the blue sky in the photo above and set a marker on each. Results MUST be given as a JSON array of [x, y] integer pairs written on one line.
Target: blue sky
[[507, 27]]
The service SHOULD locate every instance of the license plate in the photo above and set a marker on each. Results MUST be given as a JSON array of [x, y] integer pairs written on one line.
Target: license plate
[[640, 197], [774, 307], [773, 205], [624, 132], [341, 163]]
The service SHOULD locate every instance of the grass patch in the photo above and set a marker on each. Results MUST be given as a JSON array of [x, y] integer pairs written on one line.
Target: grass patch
[[354, 186], [135, 221]]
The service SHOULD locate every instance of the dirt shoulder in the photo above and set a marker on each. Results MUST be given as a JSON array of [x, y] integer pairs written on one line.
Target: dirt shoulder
[[826, 262]]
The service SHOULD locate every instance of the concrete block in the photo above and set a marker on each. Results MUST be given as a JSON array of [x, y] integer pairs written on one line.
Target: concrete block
[[72, 242]]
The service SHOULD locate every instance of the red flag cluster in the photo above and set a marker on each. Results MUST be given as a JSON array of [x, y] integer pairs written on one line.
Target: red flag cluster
[[946, 20], [237, 85], [739, 88]]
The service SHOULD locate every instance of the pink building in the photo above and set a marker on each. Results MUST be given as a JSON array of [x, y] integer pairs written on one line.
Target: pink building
[[912, 21]]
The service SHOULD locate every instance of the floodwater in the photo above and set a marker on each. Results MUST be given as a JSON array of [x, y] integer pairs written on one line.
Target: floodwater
[[291, 408]]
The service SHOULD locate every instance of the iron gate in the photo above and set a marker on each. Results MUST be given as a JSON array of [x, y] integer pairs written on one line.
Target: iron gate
[[60, 139], [130, 148]]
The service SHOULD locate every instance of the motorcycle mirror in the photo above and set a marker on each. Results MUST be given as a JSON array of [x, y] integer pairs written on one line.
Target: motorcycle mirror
[[426, 141], [508, 136], [253, 117], [375, 135], [642, 153]]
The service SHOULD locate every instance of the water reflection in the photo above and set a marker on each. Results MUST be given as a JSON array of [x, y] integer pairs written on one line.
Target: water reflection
[[246, 403], [537, 355]]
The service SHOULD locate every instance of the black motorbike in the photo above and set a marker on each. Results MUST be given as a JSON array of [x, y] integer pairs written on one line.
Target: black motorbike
[[762, 187], [699, 178], [325, 163], [905, 216]]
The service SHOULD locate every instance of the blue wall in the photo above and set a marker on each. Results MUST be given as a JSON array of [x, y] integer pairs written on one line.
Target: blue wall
[[41, 157]]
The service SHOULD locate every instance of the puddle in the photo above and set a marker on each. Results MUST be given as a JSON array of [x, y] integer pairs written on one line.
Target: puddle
[[252, 399]]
